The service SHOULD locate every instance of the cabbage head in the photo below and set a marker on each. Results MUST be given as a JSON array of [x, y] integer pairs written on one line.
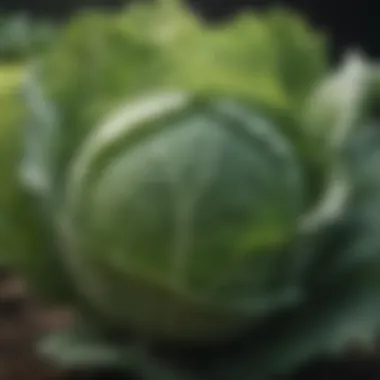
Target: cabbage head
[[172, 160]]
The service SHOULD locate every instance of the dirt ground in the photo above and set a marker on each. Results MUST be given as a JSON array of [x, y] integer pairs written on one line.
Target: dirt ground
[[22, 320]]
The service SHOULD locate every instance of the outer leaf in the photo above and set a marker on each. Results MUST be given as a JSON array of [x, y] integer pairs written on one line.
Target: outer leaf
[[81, 348], [10, 148], [339, 105], [340, 102], [26, 241]]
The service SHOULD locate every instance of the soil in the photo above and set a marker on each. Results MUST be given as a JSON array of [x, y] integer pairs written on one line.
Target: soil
[[23, 319]]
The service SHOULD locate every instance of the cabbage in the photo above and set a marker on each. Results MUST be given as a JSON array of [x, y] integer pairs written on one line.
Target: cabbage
[[177, 179], [190, 184]]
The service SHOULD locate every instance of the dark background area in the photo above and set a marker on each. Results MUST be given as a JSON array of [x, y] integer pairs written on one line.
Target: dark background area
[[349, 24]]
